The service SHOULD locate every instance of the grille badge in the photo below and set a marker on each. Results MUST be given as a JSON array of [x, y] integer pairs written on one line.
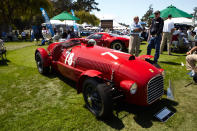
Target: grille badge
[[151, 70]]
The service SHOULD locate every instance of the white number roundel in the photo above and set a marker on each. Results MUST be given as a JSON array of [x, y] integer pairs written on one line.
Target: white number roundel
[[70, 59]]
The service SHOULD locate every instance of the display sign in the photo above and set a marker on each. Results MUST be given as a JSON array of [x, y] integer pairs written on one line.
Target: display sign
[[164, 114], [170, 92], [107, 24]]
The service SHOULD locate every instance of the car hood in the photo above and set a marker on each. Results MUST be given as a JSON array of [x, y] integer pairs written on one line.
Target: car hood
[[138, 71]]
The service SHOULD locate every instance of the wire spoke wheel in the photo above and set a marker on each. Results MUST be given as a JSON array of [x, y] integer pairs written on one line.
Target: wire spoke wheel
[[39, 62], [97, 98], [93, 99]]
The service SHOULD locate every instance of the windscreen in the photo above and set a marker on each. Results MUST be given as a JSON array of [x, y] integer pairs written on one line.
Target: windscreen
[[71, 43]]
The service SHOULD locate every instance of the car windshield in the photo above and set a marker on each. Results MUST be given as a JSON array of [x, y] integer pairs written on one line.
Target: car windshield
[[115, 35], [95, 36], [71, 43]]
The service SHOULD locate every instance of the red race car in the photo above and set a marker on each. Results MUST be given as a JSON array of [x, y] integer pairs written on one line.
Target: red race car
[[112, 41], [103, 75]]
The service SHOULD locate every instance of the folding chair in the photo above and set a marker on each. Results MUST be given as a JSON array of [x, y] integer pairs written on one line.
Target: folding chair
[[2, 50]]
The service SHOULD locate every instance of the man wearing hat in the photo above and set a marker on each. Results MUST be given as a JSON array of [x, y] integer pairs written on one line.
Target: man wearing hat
[[156, 29]]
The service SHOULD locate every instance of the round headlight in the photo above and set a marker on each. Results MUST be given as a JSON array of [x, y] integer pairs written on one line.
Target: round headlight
[[133, 88], [163, 73]]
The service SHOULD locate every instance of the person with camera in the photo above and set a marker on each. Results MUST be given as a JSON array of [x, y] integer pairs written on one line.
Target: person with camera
[[156, 29]]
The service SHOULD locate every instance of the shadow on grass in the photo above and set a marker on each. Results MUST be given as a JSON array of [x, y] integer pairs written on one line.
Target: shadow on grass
[[4, 62], [176, 54], [144, 116], [170, 63], [114, 122], [55, 74]]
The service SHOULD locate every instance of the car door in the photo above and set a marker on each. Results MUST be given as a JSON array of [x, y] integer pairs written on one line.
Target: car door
[[66, 63]]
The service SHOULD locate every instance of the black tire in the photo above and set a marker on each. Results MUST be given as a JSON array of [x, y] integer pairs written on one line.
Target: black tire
[[118, 45], [40, 65], [97, 98]]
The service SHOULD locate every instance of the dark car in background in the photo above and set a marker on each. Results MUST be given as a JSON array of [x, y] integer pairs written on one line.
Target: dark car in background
[[86, 33]]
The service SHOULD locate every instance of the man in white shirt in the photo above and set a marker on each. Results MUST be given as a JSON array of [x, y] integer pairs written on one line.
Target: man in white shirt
[[167, 34], [195, 29], [134, 43]]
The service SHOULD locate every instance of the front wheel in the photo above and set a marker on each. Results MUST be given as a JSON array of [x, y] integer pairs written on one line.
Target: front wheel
[[97, 98], [40, 64], [117, 45]]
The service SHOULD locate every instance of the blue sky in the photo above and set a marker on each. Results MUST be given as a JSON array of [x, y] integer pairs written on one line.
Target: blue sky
[[125, 10]]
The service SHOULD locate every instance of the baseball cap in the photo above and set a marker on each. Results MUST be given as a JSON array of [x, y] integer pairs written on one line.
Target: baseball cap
[[157, 12]]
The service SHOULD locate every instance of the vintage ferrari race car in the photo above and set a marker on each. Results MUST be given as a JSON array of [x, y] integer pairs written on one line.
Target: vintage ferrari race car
[[103, 75], [112, 41]]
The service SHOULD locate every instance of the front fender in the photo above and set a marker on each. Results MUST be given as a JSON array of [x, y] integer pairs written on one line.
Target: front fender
[[126, 84], [44, 55], [84, 76]]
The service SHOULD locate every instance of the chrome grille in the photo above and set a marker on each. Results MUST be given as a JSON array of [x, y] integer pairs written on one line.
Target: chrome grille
[[155, 89]]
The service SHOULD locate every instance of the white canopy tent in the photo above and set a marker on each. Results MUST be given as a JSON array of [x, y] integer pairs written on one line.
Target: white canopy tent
[[117, 26], [58, 22], [182, 20]]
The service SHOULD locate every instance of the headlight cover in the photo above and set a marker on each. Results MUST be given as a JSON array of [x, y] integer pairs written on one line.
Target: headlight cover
[[163, 73], [133, 88]]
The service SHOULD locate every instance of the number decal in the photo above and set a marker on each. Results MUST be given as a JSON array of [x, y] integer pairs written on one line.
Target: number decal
[[69, 58], [112, 55], [67, 55]]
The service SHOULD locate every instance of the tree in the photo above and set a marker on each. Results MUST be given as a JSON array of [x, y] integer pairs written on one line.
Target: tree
[[79, 5], [87, 17], [195, 14], [146, 18], [123, 24], [21, 10], [82, 9], [61, 5], [87, 5]]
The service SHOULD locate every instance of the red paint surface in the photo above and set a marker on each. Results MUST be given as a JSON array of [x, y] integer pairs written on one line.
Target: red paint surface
[[94, 61]]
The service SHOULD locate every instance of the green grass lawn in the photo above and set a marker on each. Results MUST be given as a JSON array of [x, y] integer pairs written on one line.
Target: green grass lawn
[[30, 101]]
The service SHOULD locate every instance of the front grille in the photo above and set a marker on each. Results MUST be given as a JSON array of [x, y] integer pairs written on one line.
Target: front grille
[[155, 89]]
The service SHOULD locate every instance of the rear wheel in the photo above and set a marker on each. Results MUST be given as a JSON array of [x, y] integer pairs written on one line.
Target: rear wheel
[[40, 64], [117, 45], [97, 98]]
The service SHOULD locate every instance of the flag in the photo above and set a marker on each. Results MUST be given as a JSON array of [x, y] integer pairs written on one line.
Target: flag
[[74, 24], [47, 21]]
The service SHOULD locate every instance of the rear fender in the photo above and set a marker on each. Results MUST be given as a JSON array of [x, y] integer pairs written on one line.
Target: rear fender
[[84, 76], [44, 55], [143, 57]]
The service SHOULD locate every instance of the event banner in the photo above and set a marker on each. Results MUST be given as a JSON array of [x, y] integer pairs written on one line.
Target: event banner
[[74, 24], [47, 21]]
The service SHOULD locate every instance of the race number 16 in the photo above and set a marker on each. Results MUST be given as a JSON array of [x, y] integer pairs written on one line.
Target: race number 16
[[69, 59]]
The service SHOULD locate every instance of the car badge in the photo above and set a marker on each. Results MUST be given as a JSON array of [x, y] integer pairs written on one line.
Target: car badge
[[151, 70]]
